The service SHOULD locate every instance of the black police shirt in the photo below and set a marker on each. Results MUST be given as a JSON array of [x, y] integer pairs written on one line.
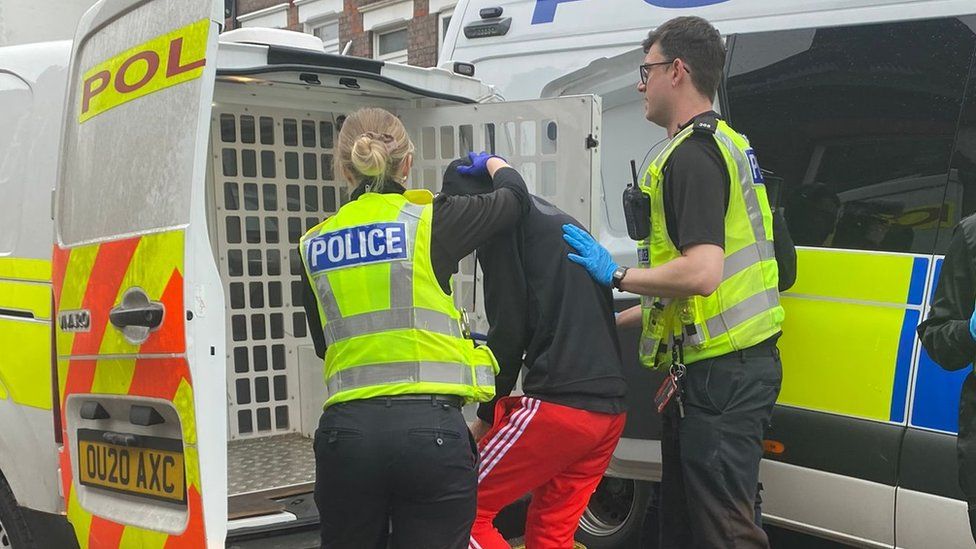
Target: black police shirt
[[696, 191]]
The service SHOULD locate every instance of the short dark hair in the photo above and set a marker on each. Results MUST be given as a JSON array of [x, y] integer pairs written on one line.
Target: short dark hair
[[696, 42]]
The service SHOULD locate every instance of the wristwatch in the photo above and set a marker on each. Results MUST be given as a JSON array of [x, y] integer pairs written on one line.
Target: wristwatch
[[618, 277]]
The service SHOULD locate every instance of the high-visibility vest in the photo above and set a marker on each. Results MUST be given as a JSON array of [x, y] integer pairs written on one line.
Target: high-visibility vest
[[745, 308], [390, 328]]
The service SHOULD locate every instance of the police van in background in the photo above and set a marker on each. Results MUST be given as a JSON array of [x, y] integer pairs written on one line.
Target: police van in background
[[864, 112], [157, 382]]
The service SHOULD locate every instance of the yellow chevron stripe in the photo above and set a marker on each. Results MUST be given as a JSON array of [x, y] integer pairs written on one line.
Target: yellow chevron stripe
[[183, 401], [22, 296], [143, 539], [113, 376], [150, 268], [80, 264], [79, 518], [17, 268]]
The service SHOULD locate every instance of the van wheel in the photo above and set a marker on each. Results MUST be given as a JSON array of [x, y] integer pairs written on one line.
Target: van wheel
[[615, 515], [13, 527]]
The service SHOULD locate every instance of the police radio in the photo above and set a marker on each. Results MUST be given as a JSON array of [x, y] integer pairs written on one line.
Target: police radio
[[637, 208]]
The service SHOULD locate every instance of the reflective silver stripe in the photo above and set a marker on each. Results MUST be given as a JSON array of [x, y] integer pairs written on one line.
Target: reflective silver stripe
[[484, 376], [746, 257], [401, 272], [395, 319], [746, 309], [399, 372], [746, 183], [330, 307]]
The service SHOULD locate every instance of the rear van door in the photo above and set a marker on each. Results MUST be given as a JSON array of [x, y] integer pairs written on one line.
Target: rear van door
[[141, 387]]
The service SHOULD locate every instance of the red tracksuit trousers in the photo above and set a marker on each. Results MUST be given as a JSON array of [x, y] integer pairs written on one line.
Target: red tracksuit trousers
[[556, 452]]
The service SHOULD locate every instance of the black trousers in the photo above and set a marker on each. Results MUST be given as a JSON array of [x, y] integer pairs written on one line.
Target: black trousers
[[711, 456], [409, 463]]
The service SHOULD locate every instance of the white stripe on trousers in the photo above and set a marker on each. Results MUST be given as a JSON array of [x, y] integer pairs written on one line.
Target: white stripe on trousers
[[513, 436], [503, 434]]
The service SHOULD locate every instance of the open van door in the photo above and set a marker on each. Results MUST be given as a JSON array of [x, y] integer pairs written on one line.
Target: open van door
[[553, 143], [140, 360]]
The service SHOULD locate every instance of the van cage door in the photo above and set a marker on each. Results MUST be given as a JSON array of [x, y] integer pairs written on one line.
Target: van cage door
[[135, 132], [553, 143]]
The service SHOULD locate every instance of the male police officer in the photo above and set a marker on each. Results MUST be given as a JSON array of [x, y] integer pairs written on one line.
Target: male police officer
[[708, 278]]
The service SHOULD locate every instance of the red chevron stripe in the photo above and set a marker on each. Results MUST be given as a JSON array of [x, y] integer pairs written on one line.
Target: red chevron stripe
[[194, 536], [104, 533], [158, 378], [171, 336]]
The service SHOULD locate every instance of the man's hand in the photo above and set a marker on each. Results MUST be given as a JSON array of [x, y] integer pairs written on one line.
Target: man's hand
[[594, 257], [479, 428]]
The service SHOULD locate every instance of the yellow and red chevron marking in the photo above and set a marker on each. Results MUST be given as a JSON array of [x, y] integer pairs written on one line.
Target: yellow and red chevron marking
[[101, 361]]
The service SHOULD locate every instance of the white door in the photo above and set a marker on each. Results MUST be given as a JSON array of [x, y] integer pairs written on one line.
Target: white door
[[553, 143], [140, 357]]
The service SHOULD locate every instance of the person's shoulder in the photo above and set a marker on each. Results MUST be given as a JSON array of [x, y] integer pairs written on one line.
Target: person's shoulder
[[696, 149]]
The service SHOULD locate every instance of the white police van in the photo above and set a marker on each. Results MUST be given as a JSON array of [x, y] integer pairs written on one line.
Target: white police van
[[864, 114]]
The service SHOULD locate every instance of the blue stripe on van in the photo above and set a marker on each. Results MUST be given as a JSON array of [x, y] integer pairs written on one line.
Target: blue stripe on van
[[903, 365], [935, 277], [916, 288], [937, 391]]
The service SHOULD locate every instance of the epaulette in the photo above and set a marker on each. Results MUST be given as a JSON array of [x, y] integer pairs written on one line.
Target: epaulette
[[706, 123]]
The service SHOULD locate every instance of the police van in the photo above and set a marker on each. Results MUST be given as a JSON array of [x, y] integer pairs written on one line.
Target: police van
[[157, 382], [864, 113]]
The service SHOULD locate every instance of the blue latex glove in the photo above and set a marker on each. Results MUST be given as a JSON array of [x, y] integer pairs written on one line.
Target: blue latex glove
[[594, 257], [972, 326], [479, 164]]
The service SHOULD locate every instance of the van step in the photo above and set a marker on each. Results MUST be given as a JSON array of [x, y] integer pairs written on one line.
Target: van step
[[265, 463]]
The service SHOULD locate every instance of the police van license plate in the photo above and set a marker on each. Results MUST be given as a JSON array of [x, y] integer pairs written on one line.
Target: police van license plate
[[153, 467]]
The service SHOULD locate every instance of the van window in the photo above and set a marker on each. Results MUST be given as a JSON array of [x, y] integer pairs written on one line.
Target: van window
[[859, 122], [15, 108]]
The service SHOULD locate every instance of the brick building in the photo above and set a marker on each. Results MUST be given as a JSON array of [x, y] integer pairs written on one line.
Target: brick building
[[409, 31]]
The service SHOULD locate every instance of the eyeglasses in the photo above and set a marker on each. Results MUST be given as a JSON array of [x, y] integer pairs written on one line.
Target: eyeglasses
[[645, 69]]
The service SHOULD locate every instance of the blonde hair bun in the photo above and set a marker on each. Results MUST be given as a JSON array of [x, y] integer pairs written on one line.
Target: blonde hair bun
[[371, 148], [370, 156]]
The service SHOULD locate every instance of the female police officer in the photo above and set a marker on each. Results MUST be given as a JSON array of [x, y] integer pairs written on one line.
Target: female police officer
[[392, 444]]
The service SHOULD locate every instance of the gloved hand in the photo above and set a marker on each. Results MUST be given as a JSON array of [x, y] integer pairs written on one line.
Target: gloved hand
[[972, 326], [594, 257], [479, 164]]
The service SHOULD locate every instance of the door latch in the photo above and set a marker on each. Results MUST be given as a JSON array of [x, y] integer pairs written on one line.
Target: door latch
[[136, 316]]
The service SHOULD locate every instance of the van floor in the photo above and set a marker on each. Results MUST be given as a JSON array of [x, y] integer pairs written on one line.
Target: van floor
[[265, 463]]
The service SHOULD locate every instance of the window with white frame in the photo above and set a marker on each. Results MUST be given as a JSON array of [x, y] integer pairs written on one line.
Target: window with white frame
[[444, 20], [326, 30], [391, 44]]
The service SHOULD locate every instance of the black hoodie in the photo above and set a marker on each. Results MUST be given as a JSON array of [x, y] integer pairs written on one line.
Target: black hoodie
[[543, 306]]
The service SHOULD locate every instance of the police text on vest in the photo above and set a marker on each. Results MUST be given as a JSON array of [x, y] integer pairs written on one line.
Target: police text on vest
[[359, 245]]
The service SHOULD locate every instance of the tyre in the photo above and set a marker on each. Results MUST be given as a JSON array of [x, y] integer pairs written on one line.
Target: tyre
[[615, 515], [14, 533]]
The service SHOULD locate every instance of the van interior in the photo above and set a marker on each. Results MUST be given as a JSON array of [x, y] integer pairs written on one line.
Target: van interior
[[271, 177]]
